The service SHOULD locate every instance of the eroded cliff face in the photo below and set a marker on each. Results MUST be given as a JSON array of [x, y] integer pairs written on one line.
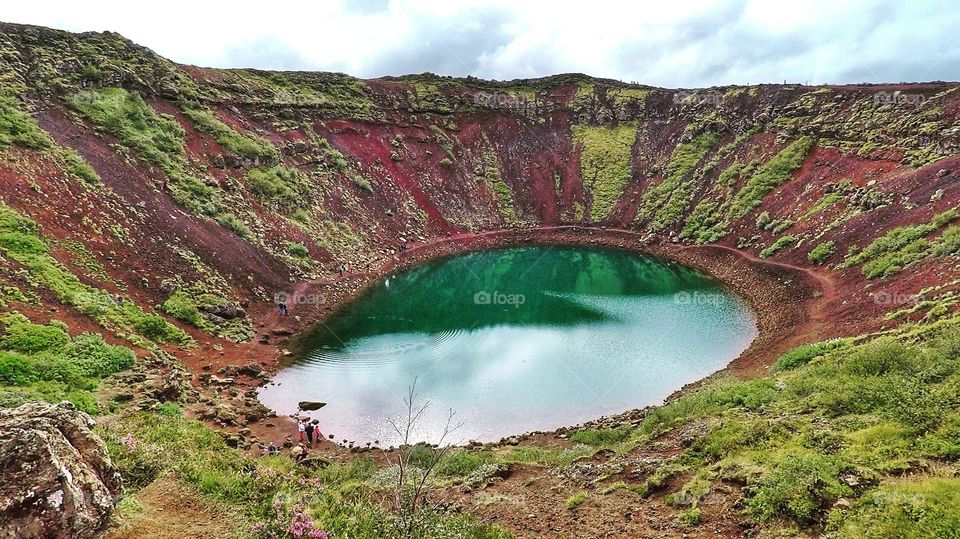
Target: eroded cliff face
[[199, 193]]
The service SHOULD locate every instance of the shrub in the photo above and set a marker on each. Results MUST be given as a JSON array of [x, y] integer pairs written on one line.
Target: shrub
[[31, 338], [822, 252], [799, 487], [95, 358], [690, 517], [278, 186], [802, 355], [602, 437], [777, 246], [155, 328], [181, 306], [16, 370], [296, 249], [882, 356]]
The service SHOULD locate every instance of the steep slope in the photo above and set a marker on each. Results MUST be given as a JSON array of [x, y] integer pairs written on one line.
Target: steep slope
[[166, 206]]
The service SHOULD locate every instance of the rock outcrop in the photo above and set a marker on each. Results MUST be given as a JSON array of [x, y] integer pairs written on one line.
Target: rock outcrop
[[56, 478]]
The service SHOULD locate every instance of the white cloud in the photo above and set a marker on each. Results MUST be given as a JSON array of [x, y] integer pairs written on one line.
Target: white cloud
[[677, 43]]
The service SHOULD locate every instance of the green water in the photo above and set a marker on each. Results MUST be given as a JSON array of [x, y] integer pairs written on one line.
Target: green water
[[513, 340]]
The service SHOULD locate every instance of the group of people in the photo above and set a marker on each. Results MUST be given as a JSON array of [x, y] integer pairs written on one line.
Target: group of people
[[307, 431]]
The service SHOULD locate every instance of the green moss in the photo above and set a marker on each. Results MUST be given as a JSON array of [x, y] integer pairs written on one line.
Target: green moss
[[42, 362], [296, 249], [605, 159], [664, 204], [823, 251], [769, 176], [902, 246], [157, 138], [244, 145], [825, 202], [279, 186], [913, 509], [777, 246], [19, 128], [20, 241], [576, 500]]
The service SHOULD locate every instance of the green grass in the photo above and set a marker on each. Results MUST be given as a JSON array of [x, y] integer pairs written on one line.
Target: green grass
[[19, 128], [279, 187], [244, 145], [576, 500], [902, 246], [924, 508], [601, 437], [665, 203], [834, 421], [20, 240], [823, 251], [42, 362], [769, 176], [605, 158], [157, 138], [777, 246], [267, 493], [825, 202]]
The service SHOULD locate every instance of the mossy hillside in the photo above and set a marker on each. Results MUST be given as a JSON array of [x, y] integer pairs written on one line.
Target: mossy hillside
[[605, 163], [663, 204], [332, 94], [836, 421], [712, 216], [873, 122], [53, 61], [18, 128], [157, 138], [251, 147], [902, 246], [20, 241], [203, 298], [43, 362], [769, 176]]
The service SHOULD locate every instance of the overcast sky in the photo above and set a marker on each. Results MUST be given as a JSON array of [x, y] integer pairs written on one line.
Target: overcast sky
[[672, 43]]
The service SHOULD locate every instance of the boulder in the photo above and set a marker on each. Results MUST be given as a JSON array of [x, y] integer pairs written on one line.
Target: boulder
[[309, 406], [58, 479]]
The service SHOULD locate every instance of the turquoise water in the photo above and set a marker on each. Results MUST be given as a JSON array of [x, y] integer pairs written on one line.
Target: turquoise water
[[513, 340]]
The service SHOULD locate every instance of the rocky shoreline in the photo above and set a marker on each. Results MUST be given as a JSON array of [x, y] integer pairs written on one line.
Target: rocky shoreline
[[782, 297]]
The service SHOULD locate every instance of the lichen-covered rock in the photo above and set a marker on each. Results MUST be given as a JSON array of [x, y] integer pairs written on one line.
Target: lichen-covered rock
[[56, 478]]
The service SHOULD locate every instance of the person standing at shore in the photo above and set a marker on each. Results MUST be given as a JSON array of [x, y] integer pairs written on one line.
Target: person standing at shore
[[309, 430], [301, 429]]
